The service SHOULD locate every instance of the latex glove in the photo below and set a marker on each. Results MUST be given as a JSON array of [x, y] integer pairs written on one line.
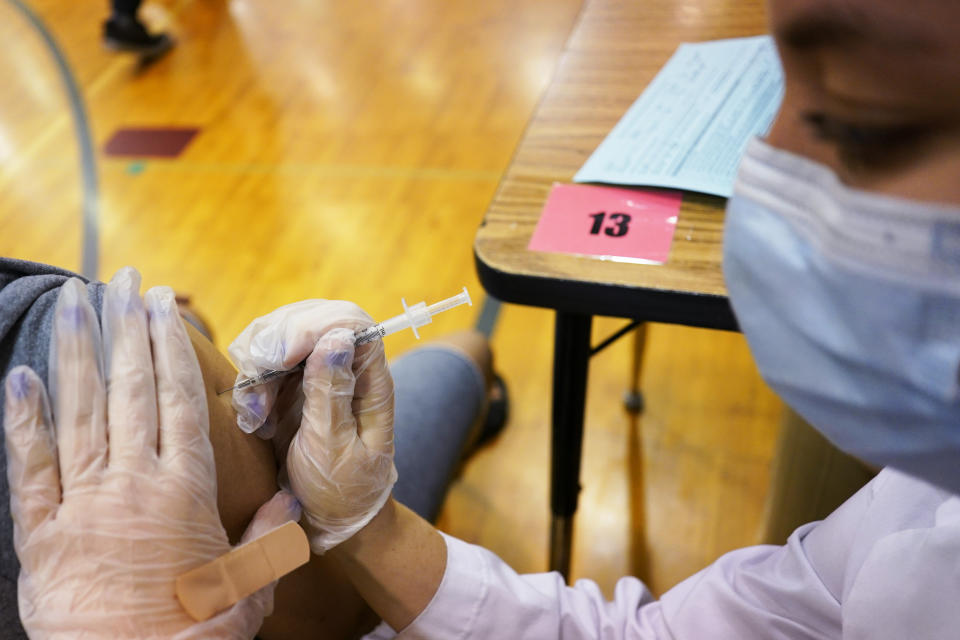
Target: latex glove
[[339, 462], [281, 340], [118, 497]]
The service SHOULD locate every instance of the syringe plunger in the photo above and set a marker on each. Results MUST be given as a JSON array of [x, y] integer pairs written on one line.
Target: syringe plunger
[[450, 303]]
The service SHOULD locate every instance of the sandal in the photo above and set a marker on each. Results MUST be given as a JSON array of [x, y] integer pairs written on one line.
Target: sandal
[[497, 412]]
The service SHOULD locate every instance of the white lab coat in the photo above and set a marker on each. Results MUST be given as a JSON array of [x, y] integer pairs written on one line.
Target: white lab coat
[[884, 566]]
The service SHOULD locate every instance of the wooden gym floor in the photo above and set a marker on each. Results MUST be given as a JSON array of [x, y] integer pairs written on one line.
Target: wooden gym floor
[[349, 150]]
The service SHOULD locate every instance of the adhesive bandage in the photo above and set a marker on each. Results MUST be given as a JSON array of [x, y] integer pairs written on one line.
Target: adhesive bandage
[[224, 581]]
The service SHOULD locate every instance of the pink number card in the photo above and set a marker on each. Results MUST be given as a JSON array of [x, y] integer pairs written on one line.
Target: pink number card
[[624, 225]]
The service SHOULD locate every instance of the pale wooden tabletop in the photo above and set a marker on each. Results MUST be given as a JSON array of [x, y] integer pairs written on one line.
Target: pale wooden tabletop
[[615, 50]]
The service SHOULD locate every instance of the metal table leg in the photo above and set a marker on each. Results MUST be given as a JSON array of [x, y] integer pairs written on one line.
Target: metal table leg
[[633, 397], [571, 355]]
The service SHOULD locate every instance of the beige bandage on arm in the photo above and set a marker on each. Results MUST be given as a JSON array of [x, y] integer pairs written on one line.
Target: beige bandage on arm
[[226, 580]]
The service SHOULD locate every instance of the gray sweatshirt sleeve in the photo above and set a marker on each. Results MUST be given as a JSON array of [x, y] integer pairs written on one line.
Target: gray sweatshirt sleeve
[[28, 295]]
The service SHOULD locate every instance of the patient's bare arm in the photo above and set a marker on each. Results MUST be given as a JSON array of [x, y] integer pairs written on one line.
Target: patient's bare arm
[[246, 471], [317, 600]]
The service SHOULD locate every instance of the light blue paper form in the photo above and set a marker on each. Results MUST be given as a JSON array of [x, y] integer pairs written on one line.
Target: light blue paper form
[[688, 129]]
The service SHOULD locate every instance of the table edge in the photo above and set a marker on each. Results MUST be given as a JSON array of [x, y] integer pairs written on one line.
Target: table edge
[[705, 310]]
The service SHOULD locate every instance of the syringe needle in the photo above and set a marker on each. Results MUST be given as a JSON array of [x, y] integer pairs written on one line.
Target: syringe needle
[[266, 376]]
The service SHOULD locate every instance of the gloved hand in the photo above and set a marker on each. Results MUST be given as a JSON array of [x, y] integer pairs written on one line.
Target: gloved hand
[[337, 449], [118, 497]]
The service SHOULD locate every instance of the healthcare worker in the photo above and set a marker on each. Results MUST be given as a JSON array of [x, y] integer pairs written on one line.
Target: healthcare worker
[[842, 261], [118, 497]]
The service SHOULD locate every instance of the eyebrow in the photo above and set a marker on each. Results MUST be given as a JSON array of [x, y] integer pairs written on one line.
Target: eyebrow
[[835, 26]]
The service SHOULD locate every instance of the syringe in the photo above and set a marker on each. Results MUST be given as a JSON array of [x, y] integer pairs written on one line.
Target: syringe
[[412, 317]]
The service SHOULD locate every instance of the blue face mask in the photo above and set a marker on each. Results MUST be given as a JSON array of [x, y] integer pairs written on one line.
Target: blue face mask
[[850, 302]]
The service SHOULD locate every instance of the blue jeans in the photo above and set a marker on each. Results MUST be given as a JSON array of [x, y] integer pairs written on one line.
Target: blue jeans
[[440, 393]]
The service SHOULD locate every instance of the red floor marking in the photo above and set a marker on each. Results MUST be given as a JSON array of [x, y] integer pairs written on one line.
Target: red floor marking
[[157, 142]]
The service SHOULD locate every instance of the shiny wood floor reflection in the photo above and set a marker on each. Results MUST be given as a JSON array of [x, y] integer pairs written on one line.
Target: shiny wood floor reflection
[[349, 150]]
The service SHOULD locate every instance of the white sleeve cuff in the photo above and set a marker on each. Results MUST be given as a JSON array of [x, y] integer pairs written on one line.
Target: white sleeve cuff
[[453, 611]]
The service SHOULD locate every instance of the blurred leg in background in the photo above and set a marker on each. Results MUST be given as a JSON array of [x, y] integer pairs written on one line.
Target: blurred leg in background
[[123, 31]]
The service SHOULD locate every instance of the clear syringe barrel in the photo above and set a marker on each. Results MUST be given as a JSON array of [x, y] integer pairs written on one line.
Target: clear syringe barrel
[[412, 317]]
